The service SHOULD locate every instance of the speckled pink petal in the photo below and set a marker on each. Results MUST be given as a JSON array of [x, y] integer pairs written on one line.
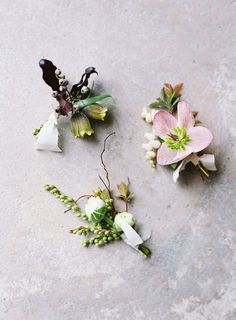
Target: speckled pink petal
[[163, 123], [200, 137], [165, 156], [185, 116]]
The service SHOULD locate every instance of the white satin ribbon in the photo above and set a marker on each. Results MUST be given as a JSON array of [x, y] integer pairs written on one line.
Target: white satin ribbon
[[130, 236], [207, 160], [47, 138]]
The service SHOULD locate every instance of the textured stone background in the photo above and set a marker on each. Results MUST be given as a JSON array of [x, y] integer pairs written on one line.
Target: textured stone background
[[136, 46]]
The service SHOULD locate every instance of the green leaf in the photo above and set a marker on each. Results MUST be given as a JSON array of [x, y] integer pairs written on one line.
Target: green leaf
[[99, 214], [155, 105], [91, 100], [162, 95]]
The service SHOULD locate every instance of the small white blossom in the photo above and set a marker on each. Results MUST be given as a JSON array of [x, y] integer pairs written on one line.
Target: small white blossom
[[150, 136], [149, 117], [150, 155], [147, 146], [154, 144], [143, 114]]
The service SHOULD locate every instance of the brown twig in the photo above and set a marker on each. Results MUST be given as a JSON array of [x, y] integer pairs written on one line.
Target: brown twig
[[103, 163], [84, 196], [108, 184]]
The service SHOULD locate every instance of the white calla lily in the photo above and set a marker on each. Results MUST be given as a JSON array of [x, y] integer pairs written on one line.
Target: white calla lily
[[47, 138]]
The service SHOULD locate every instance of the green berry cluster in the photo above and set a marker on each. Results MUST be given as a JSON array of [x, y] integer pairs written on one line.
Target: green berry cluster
[[68, 201], [103, 231], [101, 236]]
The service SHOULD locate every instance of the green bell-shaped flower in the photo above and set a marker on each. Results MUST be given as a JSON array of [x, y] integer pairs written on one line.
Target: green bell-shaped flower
[[80, 125], [96, 112]]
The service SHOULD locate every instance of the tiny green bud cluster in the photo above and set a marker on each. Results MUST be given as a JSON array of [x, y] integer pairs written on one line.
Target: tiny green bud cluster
[[68, 201]]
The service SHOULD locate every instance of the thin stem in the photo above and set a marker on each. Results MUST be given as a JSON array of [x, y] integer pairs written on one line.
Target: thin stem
[[102, 161], [203, 170]]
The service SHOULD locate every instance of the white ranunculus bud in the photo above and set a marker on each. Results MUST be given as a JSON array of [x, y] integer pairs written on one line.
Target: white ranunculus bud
[[123, 217], [94, 203]]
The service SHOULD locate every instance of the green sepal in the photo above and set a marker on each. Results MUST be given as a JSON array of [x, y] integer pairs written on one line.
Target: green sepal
[[174, 165]]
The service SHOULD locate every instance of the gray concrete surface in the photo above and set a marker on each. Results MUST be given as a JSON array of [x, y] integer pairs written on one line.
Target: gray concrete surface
[[136, 45]]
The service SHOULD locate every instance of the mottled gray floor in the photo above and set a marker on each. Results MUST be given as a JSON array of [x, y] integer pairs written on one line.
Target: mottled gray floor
[[136, 46]]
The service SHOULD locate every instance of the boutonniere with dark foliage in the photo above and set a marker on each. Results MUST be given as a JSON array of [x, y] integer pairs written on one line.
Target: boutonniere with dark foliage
[[177, 137], [104, 222], [78, 103]]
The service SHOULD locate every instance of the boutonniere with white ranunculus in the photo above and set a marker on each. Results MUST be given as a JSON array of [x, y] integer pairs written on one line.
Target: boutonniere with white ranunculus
[[104, 223], [78, 103], [177, 137]]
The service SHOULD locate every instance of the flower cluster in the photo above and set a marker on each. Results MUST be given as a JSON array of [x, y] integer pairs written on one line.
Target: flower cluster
[[176, 138], [105, 224], [78, 103]]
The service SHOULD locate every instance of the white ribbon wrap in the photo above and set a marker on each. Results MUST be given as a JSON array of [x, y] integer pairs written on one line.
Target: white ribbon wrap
[[207, 160], [47, 138], [130, 236]]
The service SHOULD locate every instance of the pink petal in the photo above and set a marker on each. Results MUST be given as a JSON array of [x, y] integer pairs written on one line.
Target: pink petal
[[185, 116], [200, 138], [163, 123], [165, 156], [182, 154]]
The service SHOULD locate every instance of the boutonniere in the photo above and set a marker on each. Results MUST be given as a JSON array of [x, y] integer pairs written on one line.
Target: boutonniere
[[104, 222], [78, 103], [177, 137]]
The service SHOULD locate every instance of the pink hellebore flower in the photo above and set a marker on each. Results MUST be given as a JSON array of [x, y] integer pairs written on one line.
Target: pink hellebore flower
[[180, 136]]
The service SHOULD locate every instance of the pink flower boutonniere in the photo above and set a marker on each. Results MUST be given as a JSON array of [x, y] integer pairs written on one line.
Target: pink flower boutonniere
[[177, 138]]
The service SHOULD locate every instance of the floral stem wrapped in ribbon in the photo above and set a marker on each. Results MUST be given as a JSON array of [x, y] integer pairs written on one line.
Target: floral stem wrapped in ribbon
[[177, 137], [78, 103], [104, 223]]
